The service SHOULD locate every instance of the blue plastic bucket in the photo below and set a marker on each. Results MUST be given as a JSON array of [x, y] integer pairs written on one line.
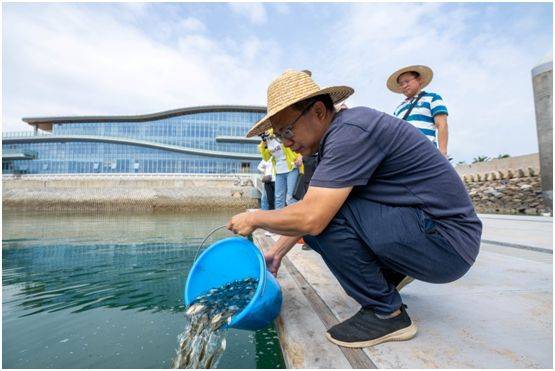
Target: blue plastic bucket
[[234, 259]]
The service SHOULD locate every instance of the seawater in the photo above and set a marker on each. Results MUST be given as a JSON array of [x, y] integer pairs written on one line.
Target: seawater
[[106, 291]]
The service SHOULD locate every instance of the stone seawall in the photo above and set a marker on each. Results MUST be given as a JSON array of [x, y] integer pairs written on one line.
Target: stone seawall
[[128, 192], [501, 194], [506, 186]]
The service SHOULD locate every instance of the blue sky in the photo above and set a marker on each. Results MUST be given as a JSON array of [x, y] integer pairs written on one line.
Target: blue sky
[[134, 58]]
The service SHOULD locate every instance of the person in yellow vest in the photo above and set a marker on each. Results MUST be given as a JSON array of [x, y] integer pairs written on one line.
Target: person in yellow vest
[[287, 166]]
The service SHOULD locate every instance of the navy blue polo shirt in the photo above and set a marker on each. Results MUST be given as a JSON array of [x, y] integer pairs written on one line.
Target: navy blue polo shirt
[[387, 160]]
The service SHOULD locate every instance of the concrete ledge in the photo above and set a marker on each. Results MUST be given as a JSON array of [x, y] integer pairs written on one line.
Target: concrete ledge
[[497, 316], [304, 320], [128, 193], [504, 164], [548, 66]]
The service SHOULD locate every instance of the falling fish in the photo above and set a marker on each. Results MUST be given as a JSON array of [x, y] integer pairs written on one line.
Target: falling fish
[[194, 309], [202, 343]]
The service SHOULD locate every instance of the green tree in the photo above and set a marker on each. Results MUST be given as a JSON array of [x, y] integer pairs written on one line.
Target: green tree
[[480, 159], [504, 155]]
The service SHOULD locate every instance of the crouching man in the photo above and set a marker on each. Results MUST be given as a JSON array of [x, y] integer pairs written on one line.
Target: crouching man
[[384, 206]]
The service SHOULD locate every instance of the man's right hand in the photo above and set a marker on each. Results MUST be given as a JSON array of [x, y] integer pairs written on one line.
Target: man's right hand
[[277, 251], [272, 262]]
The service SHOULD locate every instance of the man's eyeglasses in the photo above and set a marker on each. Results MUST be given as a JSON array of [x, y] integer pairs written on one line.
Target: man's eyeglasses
[[288, 133], [405, 82]]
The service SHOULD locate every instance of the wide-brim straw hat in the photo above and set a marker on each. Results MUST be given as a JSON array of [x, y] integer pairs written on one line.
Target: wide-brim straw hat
[[425, 73], [292, 87]]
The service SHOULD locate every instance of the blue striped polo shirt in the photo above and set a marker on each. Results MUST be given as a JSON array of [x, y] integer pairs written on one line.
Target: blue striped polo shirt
[[422, 115]]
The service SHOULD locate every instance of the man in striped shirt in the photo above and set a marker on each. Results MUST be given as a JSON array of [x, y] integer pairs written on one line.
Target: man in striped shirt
[[423, 109]]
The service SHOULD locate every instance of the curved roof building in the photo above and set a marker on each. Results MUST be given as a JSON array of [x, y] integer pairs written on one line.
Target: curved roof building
[[207, 139]]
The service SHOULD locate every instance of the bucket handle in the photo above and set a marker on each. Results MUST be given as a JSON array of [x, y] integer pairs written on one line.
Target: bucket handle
[[210, 234], [206, 238]]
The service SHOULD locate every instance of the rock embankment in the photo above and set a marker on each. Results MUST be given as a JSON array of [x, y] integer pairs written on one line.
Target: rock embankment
[[128, 193], [511, 191]]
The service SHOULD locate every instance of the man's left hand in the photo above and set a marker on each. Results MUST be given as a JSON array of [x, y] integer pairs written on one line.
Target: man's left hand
[[242, 224]]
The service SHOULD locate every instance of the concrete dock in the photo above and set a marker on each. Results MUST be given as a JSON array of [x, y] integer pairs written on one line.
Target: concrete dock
[[128, 192], [497, 316]]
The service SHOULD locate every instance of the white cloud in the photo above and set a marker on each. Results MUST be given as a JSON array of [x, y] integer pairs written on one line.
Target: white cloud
[[133, 9], [281, 8], [547, 57], [192, 24], [485, 79], [255, 12], [65, 60]]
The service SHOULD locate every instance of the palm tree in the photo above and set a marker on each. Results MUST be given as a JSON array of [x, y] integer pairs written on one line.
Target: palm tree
[[504, 155], [480, 159]]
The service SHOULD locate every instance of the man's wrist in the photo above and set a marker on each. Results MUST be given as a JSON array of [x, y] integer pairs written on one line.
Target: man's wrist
[[274, 251], [253, 220], [282, 246]]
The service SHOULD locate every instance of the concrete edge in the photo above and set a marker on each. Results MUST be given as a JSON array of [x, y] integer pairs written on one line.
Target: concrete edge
[[328, 354], [542, 68]]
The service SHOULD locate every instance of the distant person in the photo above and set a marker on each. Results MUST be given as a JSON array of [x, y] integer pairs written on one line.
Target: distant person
[[267, 201], [423, 109], [287, 166], [309, 164]]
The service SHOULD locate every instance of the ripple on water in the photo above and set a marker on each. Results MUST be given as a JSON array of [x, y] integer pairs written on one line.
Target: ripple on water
[[86, 295], [66, 277]]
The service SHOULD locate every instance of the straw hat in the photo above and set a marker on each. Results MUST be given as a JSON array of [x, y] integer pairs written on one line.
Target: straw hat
[[292, 87], [425, 73]]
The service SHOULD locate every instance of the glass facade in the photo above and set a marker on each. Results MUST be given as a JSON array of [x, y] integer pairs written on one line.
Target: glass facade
[[66, 151]]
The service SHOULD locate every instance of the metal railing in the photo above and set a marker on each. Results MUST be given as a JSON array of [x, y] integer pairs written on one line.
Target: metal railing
[[24, 134], [19, 154], [233, 176], [132, 141]]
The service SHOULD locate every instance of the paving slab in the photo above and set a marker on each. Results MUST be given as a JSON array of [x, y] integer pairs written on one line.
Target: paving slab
[[535, 231], [497, 316]]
